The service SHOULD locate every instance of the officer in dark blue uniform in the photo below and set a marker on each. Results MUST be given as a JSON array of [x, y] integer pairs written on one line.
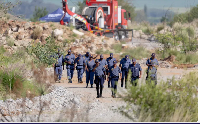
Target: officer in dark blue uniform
[[110, 61], [58, 66], [103, 63], [151, 60], [80, 61], [152, 73], [113, 73], [69, 60], [124, 65], [99, 77], [89, 73], [87, 57], [136, 72]]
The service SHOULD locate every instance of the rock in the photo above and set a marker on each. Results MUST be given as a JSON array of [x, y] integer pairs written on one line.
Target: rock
[[27, 26], [124, 46], [143, 36], [152, 38], [164, 64], [60, 38], [57, 33], [78, 32], [136, 34], [140, 31], [20, 36], [21, 30], [45, 27], [162, 31], [15, 29]]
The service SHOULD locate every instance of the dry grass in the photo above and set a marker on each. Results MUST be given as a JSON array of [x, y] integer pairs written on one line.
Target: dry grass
[[37, 33]]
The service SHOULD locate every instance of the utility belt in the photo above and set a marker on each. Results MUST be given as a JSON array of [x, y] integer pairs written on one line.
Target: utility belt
[[114, 77], [100, 76], [134, 76], [125, 69]]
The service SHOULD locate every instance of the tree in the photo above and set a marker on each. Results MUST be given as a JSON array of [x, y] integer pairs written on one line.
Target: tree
[[38, 13], [145, 10], [81, 5]]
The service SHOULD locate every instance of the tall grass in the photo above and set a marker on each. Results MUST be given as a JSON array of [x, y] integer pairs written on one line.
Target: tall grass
[[164, 103]]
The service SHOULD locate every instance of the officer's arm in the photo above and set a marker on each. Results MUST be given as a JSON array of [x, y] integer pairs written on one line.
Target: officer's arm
[[95, 66], [96, 56], [147, 63]]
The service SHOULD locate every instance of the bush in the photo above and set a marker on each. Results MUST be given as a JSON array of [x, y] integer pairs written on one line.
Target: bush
[[117, 48], [100, 51], [160, 27], [10, 42], [148, 30], [38, 13], [37, 33], [163, 103]]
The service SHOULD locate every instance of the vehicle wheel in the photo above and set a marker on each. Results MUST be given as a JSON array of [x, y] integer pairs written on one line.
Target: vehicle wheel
[[122, 35], [116, 36]]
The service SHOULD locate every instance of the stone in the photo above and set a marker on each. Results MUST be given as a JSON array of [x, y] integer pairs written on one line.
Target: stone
[[15, 29], [45, 27], [143, 36], [20, 36], [21, 30], [27, 26], [152, 38], [57, 32], [60, 38], [136, 34], [78, 32]]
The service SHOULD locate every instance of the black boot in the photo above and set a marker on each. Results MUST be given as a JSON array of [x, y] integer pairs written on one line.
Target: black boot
[[122, 82], [101, 89], [81, 81], [87, 86], [78, 80], [91, 85], [126, 84]]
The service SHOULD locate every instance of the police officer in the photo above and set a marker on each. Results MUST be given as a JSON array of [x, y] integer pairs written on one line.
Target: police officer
[[152, 72], [58, 66], [89, 73], [80, 61], [103, 63], [136, 72], [99, 77], [151, 60], [69, 60], [124, 65], [87, 57], [110, 61], [113, 73]]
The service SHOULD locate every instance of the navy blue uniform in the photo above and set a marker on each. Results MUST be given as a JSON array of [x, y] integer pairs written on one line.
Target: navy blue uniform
[[86, 58], [58, 66], [114, 76], [99, 77], [110, 64], [135, 69], [70, 67], [153, 74], [80, 61], [150, 62], [90, 74], [124, 68]]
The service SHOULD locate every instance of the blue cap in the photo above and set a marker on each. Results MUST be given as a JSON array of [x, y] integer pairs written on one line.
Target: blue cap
[[115, 62], [87, 53], [111, 54], [101, 56], [69, 51], [96, 61], [133, 60], [153, 54], [127, 57], [91, 56], [79, 55]]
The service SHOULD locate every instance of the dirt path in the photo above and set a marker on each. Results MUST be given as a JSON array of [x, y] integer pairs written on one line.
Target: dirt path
[[107, 103]]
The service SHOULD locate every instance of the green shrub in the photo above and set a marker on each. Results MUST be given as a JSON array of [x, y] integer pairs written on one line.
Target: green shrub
[[160, 27], [163, 103], [190, 32], [148, 30], [100, 51], [10, 42], [117, 48], [74, 35], [37, 33]]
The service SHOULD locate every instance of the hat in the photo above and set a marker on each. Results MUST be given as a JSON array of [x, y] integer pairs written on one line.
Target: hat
[[101, 56], [111, 54], [87, 53], [126, 56], [91, 56], [79, 55], [115, 62], [153, 54], [96, 61], [133, 60], [69, 51]]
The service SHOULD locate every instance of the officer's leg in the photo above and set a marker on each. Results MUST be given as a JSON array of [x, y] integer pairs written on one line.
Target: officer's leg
[[97, 86], [72, 74], [109, 80], [56, 74], [122, 80], [78, 72], [115, 86], [69, 75], [59, 73], [112, 86], [87, 77], [156, 80], [126, 78], [101, 85], [91, 78], [81, 75]]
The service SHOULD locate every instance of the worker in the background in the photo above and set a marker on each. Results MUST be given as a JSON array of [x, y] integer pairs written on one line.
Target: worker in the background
[[89, 73], [69, 60], [99, 77], [152, 77], [110, 61], [136, 72], [80, 64], [113, 73], [149, 61], [58, 66], [103, 63], [124, 65]]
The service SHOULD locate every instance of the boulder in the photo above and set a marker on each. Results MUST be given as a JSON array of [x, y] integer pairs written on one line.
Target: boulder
[[21, 30], [57, 33], [45, 27], [143, 36], [15, 29], [60, 38], [27, 26], [78, 32], [124, 46], [136, 34], [20, 36]]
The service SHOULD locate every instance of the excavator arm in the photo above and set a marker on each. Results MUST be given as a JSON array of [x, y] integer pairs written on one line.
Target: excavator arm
[[74, 15]]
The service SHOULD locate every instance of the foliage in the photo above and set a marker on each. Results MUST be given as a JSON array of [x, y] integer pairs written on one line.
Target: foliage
[[81, 6], [160, 27], [100, 51], [10, 42], [44, 52], [37, 33], [8, 6], [186, 17], [163, 103], [38, 13]]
